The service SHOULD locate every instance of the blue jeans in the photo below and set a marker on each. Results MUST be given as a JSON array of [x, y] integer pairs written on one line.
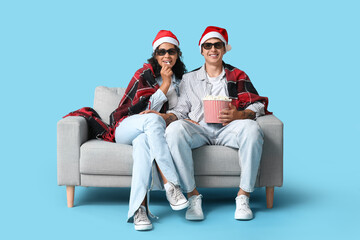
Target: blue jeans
[[146, 133], [244, 135]]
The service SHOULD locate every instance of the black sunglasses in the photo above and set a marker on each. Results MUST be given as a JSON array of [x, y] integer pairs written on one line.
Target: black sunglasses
[[162, 52], [217, 45]]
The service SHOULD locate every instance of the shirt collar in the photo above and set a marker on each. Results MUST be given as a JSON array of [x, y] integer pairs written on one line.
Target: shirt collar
[[201, 74]]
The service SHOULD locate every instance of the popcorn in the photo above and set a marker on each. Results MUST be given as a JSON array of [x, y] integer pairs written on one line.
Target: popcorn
[[213, 106], [211, 97]]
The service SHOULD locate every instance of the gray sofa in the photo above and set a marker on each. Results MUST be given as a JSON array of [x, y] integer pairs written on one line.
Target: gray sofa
[[96, 163]]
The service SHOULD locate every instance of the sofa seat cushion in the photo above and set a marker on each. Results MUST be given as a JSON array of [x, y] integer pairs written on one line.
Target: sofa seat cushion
[[105, 158], [214, 160]]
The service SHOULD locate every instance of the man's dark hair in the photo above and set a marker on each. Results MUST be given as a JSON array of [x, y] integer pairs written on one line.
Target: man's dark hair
[[178, 69]]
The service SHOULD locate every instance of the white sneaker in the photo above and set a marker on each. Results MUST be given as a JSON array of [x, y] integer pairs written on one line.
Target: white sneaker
[[141, 220], [194, 211], [243, 211], [175, 197]]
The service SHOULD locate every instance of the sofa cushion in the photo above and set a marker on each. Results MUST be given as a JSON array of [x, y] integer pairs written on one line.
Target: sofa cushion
[[105, 158], [106, 100], [215, 160]]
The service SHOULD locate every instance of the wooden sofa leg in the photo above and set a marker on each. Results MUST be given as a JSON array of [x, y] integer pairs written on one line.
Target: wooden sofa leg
[[269, 197], [70, 190]]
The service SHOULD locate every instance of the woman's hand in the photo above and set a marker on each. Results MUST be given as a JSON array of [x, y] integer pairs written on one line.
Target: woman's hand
[[168, 117], [166, 74], [150, 111]]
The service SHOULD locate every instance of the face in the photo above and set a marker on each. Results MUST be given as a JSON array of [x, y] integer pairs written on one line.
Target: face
[[213, 55], [167, 59]]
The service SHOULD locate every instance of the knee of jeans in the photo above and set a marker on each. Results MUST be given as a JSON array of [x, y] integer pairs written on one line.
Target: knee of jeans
[[253, 131], [140, 140], [175, 131], [154, 118]]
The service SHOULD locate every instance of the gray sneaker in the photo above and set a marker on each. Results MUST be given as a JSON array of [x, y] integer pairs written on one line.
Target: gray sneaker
[[141, 220], [175, 197], [194, 211], [243, 211]]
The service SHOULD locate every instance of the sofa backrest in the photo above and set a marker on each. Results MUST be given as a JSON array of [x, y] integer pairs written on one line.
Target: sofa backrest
[[106, 100]]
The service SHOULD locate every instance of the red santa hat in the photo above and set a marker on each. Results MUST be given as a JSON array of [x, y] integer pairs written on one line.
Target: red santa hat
[[165, 36], [215, 32]]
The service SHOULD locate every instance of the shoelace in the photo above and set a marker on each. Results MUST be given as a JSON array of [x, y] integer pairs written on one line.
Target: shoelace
[[243, 202], [194, 202], [178, 193], [141, 216], [175, 193]]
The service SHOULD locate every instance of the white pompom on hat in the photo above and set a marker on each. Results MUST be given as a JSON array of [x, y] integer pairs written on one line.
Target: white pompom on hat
[[215, 32], [165, 36]]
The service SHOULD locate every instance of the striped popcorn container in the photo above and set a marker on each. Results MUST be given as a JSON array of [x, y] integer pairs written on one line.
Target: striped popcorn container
[[212, 109]]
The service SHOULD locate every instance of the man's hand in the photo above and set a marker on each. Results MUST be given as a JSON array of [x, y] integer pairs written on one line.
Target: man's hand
[[168, 117], [230, 114]]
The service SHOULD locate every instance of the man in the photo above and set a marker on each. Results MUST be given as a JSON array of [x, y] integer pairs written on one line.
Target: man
[[236, 130]]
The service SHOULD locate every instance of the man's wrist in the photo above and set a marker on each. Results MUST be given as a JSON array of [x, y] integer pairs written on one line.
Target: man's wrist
[[169, 118], [246, 114]]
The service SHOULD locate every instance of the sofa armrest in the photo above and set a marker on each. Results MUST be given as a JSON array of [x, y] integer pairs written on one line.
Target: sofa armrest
[[72, 132], [271, 167]]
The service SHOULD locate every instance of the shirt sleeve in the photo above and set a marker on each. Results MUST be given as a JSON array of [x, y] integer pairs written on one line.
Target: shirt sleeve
[[258, 108], [156, 101], [183, 105]]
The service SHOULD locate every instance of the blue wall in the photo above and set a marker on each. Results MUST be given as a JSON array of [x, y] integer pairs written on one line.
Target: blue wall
[[303, 55]]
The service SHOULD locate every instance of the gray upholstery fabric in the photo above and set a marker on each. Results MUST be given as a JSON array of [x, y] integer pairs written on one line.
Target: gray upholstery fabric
[[105, 158], [103, 164], [71, 133], [271, 166], [105, 181], [106, 100], [216, 160]]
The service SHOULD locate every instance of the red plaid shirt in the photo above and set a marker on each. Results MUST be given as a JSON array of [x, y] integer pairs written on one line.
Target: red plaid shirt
[[136, 98]]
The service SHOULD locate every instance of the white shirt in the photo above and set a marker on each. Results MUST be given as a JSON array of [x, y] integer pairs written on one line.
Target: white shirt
[[218, 84]]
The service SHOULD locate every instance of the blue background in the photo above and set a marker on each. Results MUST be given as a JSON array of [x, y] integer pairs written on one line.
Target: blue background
[[303, 55]]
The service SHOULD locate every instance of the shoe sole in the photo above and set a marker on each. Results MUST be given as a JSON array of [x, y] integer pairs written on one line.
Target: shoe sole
[[194, 218], [244, 218], [180, 207], [143, 227]]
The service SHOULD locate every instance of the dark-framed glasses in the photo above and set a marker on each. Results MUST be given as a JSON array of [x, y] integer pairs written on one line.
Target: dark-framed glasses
[[162, 52], [217, 45]]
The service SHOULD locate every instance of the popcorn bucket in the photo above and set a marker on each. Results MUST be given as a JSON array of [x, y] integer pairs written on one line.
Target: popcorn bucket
[[212, 109]]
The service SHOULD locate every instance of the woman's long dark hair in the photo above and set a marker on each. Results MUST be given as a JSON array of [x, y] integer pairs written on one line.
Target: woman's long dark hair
[[178, 69]]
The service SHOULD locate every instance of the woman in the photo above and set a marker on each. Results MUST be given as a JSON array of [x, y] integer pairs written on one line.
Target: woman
[[153, 87]]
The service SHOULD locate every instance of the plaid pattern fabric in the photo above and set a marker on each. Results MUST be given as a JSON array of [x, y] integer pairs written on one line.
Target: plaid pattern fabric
[[97, 127], [241, 90], [136, 97], [193, 88]]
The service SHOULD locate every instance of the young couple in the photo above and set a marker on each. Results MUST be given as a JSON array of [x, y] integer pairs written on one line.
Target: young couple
[[162, 116]]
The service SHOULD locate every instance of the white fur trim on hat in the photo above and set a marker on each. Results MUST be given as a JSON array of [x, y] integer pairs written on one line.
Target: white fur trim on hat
[[163, 40], [214, 35]]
